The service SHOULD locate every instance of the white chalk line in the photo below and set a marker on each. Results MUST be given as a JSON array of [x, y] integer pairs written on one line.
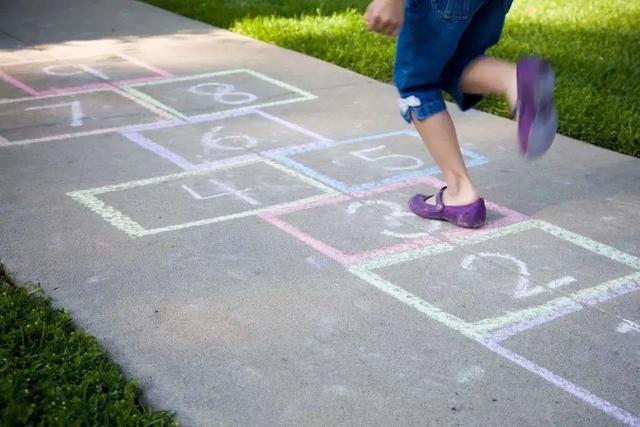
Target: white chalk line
[[501, 327], [587, 296], [402, 257], [519, 321], [292, 126], [55, 95], [457, 323], [142, 64], [126, 224], [228, 72], [415, 302], [196, 117], [132, 228], [626, 326], [54, 58], [282, 84], [243, 214], [527, 318], [108, 213], [166, 178], [589, 244], [162, 151], [304, 178], [124, 128], [71, 135], [190, 77], [469, 331], [148, 105], [565, 385], [157, 104], [608, 290], [471, 239]]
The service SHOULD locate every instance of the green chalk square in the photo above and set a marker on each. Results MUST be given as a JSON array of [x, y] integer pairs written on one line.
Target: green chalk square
[[547, 303]]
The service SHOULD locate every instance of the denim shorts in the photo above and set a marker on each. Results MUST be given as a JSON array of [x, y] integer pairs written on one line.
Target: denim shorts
[[438, 40]]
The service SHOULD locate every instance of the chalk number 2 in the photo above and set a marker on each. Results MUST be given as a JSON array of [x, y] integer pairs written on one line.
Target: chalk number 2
[[524, 288]]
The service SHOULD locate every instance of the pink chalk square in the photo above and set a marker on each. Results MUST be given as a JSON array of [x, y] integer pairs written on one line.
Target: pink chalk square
[[368, 225], [9, 90], [78, 74]]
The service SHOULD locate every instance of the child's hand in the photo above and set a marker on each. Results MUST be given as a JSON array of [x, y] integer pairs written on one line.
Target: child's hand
[[385, 16]]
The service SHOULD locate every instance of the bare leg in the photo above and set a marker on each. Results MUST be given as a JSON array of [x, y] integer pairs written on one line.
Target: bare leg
[[439, 135], [490, 75], [484, 75]]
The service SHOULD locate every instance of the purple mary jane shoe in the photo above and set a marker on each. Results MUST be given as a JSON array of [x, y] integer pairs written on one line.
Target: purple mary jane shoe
[[535, 111], [472, 215]]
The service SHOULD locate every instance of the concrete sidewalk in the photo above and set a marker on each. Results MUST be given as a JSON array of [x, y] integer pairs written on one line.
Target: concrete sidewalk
[[228, 219]]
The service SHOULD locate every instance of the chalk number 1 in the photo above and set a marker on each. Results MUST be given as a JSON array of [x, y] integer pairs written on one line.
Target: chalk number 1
[[75, 108]]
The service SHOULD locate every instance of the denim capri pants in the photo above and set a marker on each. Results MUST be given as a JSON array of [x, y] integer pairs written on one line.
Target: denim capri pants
[[438, 40]]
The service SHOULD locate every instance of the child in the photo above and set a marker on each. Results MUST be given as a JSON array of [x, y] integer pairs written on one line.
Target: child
[[441, 46]]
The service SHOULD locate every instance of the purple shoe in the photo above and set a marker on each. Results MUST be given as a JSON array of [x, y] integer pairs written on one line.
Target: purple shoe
[[472, 215], [535, 111]]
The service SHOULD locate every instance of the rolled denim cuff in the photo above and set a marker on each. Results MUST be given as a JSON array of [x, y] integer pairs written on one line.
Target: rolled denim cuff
[[420, 107]]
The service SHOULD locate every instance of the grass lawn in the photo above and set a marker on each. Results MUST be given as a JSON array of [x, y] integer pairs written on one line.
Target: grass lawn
[[54, 375], [593, 44]]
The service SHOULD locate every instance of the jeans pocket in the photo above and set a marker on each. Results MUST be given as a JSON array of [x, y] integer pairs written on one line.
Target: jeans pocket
[[506, 4], [453, 9]]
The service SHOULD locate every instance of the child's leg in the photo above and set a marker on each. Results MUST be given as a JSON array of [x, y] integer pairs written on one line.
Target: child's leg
[[426, 43], [483, 76], [528, 87], [439, 135], [488, 75], [468, 75]]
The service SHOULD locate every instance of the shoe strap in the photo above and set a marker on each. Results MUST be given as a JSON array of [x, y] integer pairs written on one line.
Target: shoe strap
[[439, 202]]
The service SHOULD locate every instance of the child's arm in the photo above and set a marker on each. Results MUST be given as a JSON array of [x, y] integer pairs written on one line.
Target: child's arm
[[385, 16]]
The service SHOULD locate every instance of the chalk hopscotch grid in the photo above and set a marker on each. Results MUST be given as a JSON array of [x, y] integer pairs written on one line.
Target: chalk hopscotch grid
[[490, 332], [127, 225], [7, 77], [303, 95], [137, 136], [164, 117], [589, 296], [276, 218], [284, 156]]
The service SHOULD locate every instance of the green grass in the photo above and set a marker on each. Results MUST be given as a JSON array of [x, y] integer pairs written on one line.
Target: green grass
[[51, 374], [593, 44]]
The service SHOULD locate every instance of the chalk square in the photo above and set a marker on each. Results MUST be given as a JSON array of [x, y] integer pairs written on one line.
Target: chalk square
[[58, 76], [29, 120], [203, 142], [388, 158], [505, 294], [589, 348], [195, 198], [333, 226], [202, 95]]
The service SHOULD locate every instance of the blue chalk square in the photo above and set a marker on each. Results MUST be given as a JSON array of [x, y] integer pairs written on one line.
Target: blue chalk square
[[384, 159]]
